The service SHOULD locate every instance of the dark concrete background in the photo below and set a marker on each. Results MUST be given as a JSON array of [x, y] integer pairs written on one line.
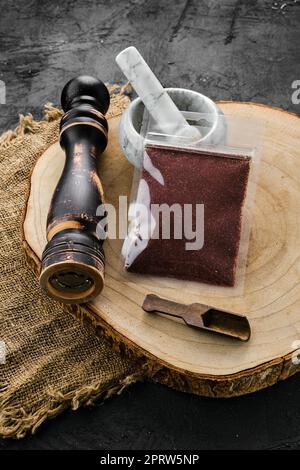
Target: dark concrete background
[[232, 49]]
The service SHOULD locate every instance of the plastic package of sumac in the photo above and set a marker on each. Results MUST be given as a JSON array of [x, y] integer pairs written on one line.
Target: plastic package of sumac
[[190, 211]]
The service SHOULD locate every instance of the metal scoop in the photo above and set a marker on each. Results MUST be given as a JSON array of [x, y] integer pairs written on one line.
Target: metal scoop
[[202, 317]]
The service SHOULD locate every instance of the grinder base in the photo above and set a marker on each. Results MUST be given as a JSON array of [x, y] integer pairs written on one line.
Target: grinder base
[[73, 267]]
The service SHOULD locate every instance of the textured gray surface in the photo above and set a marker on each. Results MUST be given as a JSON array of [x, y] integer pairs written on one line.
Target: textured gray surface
[[233, 49]]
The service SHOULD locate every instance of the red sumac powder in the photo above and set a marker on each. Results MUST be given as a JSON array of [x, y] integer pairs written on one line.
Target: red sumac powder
[[219, 182]]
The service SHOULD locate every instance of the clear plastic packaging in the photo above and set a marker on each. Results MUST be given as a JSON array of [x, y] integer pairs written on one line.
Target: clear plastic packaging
[[190, 210]]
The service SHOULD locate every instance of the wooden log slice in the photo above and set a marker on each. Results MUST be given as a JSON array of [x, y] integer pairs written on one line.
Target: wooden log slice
[[170, 352]]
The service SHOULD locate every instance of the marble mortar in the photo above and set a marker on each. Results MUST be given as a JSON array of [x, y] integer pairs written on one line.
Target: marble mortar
[[131, 140]]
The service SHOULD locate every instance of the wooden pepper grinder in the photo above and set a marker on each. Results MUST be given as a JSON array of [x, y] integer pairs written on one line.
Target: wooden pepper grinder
[[73, 260]]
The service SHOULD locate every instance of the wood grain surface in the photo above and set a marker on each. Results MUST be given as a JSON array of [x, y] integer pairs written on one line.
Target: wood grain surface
[[271, 297]]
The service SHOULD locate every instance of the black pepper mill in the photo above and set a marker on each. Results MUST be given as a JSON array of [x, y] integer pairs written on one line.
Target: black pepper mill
[[73, 260]]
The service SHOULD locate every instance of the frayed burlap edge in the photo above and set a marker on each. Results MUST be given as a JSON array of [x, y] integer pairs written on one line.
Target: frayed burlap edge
[[14, 420]]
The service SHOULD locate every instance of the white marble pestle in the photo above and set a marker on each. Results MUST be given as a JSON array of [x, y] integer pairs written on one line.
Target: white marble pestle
[[156, 100]]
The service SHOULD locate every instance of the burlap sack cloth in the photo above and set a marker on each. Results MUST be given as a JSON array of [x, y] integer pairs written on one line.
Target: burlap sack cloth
[[52, 361]]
